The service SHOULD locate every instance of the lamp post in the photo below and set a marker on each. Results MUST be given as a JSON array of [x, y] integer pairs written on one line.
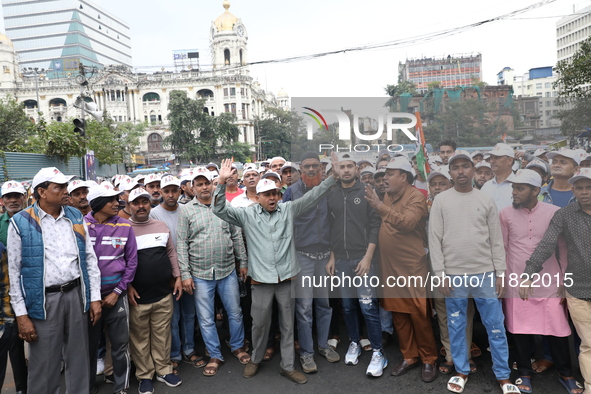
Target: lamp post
[[37, 74]]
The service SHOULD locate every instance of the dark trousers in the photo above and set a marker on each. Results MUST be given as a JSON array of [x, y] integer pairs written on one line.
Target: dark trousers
[[559, 349], [18, 362], [5, 344]]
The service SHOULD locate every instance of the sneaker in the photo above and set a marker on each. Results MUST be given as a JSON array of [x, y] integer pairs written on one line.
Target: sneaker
[[377, 364], [330, 355], [352, 356], [146, 387], [109, 379], [171, 380], [308, 364], [100, 366]]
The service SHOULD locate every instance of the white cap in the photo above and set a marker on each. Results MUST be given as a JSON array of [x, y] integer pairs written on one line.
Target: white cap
[[367, 170], [127, 184], [379, 172], [568, 153], [582, 173], [169, 180], [76, 184], [502, 149], [265, 185], [364, 161], [212, 165], [326, 160], [346, 156], [152, 178], [539, 152], [138, 177], [526, 176], [120, 179], [91, 183], [105, 189], [459, 154], [588, 157], [483, 164], [249, 168], [271, 174], [289, 164], [13, 187], [476, 153], [50, 174], [137, 193], [400, 163], [538, 163], [439, 171], [276, 158], [204, 172]]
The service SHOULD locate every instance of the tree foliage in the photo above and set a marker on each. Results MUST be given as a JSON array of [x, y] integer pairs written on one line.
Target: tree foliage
[[279, 133], [15, 126], [402, 87], [574, 92], [196, 135]]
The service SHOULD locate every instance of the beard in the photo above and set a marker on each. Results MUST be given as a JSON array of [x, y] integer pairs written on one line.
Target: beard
[[313, 181]]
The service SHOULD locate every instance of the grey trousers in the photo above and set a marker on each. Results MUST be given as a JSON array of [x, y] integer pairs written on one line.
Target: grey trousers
[[115, 321], [64, 332], [261, 312]]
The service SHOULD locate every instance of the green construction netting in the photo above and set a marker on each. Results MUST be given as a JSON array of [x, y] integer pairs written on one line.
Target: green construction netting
[[438, 98], [454, 95], [405, 101]]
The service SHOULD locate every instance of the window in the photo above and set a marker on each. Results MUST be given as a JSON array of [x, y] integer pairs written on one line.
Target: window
[[541, 103], [154, 142], [538, 86], [227, 57], [234, 108], [244, 115], [548, 85], [232, 91], [548, 94], [120, 118], [151, 97], [225, 92], [541, 122], [540, 94], [548, 113], [227, 107]]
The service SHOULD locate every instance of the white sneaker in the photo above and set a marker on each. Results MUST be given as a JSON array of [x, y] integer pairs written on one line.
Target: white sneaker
[[377, 364], [352, 356], [100, 366]]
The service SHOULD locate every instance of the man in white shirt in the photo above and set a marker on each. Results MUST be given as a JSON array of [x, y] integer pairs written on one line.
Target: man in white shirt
[[500, 188], [54, 281]]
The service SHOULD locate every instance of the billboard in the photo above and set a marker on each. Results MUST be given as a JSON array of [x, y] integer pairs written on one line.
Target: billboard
[[186, 59]]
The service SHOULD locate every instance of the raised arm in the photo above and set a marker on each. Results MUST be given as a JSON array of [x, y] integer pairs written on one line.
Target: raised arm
[[221, 209], [311, 198]]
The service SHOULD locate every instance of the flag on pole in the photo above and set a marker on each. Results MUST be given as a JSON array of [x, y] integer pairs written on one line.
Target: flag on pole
[[504, 138], [422, 163]]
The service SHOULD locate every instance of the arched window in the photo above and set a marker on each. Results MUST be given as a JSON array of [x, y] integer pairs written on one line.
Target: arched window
[[153, 117], [227, 57], [204, 93], [56, 102], [154, 142], [241, 61], [88, 99], [151, 97], [206, 110], [30, 104]]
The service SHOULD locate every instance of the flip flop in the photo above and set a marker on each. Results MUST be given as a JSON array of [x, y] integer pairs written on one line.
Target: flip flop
[[365, 344], [458, 381], [542, 364], [524, 381], [212, 367], [333, 343], [570, 384], [510, 388], [445, 368], [269, 353], [475, 351]]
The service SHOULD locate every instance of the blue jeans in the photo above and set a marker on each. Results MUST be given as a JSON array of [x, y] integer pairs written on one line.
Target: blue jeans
[[307, 295], [183, 327], [482, 288], [386, 321], [204, 294], [366, 300]]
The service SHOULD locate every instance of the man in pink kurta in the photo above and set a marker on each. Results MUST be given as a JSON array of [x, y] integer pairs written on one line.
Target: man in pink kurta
[[523, 225]]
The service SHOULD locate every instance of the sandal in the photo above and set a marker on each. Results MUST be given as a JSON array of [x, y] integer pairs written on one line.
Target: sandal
[[570, 384], [446, 368], [510, 388], [333, 343], [212, 367], [442, 351], [458, 381], [175, 366], [365, 344], [475, 351], [269, 353], [194, 360], [473, 367], [241, 355], [524, 381], [542, 365]]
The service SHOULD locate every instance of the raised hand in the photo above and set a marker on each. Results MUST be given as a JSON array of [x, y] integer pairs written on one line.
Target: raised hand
[[226, 170], [334, 162]]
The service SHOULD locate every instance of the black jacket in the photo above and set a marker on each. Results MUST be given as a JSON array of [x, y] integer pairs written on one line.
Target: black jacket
[[354, 223]]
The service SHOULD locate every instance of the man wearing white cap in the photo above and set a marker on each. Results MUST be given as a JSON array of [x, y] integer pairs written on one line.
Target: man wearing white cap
[[116, 250], [150, 296], [271, 268], [54, 281], [208, 249], [402, 240], [152, 186], [438, 181], [563, 165], [233, 190], [477, 157], [78, 191], [585, 161], [276, 163], [126, 186], [572, 224], [483, 173], [541, 154], [541, 167], [467, 253], [499, 188], [366, 175], [543, 312], [250, 179], [290, 174], [13, 199]]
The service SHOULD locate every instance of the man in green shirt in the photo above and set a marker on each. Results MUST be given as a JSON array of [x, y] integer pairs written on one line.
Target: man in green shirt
[[14, 200], [271, 260]]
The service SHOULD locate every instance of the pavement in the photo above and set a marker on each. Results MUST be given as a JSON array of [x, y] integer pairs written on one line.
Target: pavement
[[331, 378]]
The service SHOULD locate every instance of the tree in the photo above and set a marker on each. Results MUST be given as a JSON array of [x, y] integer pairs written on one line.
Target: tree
[[402, 87], [574, 95], [278, 133], [15, 126], [195, 135]]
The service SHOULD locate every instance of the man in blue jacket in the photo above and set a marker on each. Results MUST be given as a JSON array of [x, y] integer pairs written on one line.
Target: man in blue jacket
[[54, 282], [312, 243]]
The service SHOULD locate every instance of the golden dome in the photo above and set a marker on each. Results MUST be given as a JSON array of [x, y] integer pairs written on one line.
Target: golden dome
[[225, 21], [4, 40], [282, 93]]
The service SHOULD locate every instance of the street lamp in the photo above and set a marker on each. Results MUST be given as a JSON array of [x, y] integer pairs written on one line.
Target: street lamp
[[37, 74]]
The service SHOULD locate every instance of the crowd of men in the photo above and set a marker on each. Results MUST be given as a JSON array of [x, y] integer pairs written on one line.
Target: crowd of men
[[95, 277]]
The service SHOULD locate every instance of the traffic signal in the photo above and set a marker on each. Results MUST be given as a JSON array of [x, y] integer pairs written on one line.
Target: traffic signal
[[80, 127]]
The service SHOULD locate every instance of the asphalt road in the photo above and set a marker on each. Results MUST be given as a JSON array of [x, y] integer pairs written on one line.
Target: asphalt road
[[332, 378]]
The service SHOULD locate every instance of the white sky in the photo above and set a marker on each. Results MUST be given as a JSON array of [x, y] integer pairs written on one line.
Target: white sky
[[279, 29]]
